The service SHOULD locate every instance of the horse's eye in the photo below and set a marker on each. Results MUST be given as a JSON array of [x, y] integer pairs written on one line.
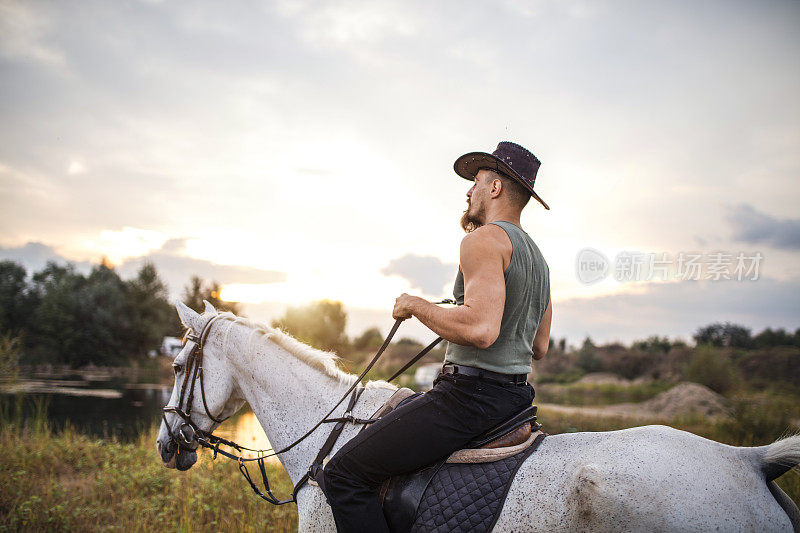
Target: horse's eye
[[177, 368]]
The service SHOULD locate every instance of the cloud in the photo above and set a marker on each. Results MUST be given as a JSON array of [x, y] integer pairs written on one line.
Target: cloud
[[24, 33], [191, 118], [754, 227], [678, 309], [355, 22], [34, 256], [426, 273], [174, 268]]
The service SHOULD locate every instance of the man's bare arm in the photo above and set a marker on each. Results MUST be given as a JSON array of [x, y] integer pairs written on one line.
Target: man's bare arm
[[542, 339], [477, 322]]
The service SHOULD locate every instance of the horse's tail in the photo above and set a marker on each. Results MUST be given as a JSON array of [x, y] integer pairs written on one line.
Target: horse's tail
[[775, 460], [780, 457]]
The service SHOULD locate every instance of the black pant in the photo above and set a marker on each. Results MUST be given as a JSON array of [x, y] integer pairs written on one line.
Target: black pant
[[416, 434]]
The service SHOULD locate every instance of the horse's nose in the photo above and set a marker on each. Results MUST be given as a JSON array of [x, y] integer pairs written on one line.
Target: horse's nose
[[166, 450]]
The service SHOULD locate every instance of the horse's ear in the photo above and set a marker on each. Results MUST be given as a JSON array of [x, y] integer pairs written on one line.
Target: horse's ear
[[189, 318], [209, 308]]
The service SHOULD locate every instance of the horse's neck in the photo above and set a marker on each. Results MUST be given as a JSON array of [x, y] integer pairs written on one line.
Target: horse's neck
[[288, 397]]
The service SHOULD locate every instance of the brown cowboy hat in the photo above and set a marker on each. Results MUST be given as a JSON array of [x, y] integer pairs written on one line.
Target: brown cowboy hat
[[509, 158]]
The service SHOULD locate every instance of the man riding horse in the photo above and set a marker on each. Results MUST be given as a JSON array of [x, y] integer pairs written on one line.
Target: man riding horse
[[502, 320]]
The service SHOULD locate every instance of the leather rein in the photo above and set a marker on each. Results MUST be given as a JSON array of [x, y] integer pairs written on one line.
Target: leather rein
[[189, 431]]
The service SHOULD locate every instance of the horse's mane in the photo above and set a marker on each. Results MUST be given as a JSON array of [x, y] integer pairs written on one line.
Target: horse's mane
[[319, 359]]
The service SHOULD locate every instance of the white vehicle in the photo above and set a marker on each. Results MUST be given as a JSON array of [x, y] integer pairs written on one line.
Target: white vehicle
[[425, 375], [171, 347]]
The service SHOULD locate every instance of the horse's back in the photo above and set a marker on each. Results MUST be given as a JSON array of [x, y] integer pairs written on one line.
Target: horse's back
[[652, 478]]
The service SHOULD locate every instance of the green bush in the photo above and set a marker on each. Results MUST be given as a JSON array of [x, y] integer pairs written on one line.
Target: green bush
[[777, 366], [711, 368]]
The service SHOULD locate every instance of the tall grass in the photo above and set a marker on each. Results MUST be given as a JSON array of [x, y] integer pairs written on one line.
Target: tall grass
[[67, 481], [596, 394], [58, 481]]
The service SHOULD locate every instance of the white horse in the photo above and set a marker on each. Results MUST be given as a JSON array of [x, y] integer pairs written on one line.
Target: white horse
[[651, 478]]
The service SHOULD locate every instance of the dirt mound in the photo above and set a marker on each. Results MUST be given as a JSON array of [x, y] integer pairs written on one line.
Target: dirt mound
[[681, 400], [684, 398]]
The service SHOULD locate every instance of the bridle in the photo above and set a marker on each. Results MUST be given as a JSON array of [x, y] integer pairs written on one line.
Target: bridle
[[194, 367]]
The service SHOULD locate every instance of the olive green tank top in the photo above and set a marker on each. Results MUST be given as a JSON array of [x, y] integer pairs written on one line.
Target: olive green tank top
[[527, 295]]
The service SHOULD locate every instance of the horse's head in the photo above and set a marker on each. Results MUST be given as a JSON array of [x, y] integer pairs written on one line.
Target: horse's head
[[203, 394]]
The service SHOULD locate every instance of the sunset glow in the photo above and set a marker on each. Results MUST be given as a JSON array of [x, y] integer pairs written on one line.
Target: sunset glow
[[314, 147]]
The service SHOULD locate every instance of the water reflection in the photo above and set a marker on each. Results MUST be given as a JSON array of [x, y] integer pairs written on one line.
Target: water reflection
[[245, 429], [104, 403], [103, 413], [114, 406]]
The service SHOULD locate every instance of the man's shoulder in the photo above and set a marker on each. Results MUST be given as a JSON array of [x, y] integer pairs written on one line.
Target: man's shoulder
[[487, 239], [490, 234]]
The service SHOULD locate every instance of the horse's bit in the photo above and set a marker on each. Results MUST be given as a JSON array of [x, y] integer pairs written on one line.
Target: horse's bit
[[189, 430]]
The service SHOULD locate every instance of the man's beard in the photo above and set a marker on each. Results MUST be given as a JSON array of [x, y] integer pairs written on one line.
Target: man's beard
[[471, 221]]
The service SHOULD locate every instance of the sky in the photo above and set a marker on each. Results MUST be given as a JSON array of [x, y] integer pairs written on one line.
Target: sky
[[296, 151]]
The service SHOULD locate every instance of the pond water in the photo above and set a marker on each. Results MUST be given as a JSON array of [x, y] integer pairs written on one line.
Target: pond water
[[106, 403]]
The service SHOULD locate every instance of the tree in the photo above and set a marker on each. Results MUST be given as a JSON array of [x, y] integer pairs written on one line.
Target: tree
[[726, 334], [81, 320], [653, 344], [9, 358], [105, 315], [320, 324], [57, 325], [769, 338], [371, 339], [15, 301], [199, 290], [587, 359], [152, 316], [61, 316]]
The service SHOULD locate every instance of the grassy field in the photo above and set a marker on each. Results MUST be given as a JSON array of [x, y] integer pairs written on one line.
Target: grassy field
[[67, 481], [591, 394]]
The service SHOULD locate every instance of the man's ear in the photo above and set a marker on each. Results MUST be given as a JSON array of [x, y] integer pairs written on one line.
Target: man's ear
[[497, 188]]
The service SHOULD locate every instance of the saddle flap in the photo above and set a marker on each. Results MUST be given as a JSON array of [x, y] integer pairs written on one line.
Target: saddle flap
[[500, 430], [400, 496], [463, 498]]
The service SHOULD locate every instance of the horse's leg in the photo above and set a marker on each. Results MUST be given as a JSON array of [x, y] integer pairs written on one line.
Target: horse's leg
[[786, 503]]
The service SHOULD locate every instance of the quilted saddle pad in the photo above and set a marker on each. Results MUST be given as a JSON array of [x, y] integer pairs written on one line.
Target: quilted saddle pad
[[458, 497]]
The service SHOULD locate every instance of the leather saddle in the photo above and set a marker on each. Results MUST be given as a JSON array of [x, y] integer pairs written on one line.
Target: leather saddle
[[401, 495], [513, 432]]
